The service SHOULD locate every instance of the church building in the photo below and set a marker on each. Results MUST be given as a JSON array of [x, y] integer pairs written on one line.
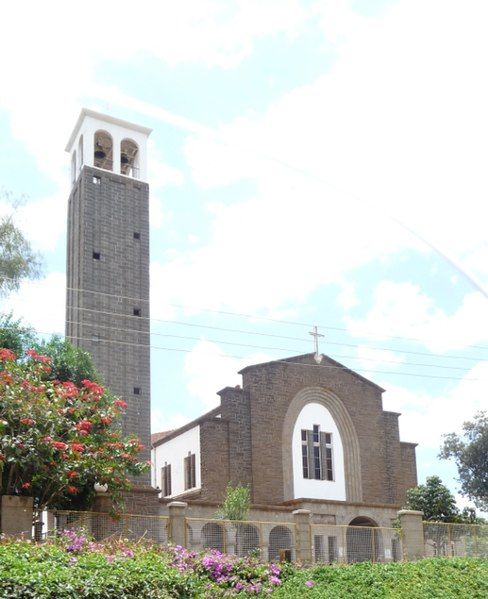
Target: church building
[[301, 433]]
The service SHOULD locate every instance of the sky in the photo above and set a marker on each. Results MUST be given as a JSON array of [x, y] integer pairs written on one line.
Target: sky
[[311, 163]]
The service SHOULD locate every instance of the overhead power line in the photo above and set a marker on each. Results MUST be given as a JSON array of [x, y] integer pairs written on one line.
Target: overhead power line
[[241, 315], [238, 344], [242, 331]]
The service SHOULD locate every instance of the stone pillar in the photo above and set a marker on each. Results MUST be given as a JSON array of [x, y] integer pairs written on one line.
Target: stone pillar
[[303, 536], [177, 523], [17, 515], [412, 534]]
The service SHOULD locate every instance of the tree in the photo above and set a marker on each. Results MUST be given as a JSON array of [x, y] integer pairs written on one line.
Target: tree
[[435, 501], [470, 453], [68, 363], [15, 335], [17, 259], [236, 504], [57, 438]]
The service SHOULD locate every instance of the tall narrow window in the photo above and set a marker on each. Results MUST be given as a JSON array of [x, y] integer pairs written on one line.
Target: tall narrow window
[[190, 471], [166, 479], [317, 462]]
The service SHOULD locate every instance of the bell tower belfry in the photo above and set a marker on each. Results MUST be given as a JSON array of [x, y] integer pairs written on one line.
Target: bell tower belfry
[[107, 309]]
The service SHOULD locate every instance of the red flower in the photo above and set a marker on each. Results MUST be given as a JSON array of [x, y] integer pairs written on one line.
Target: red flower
[[26, 485], [84, 425], [7, 377], [105, 420], [47, 439], [120, 403], [27, 421], [93, 387], [72, 474], [35, 356], [60, 445], [78, 447], [72, 490], [83, 433], [7, 355]]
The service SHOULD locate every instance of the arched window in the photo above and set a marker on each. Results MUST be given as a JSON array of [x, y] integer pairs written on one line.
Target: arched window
[[80, 153], [318, 455], [129, 158], [280, 540], [213, 536], [103, 150], [73, 166]]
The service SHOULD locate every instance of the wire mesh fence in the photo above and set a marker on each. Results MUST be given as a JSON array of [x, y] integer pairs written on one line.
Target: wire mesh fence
[[348, 544], [270, 541], [104, 526], [455, 540]]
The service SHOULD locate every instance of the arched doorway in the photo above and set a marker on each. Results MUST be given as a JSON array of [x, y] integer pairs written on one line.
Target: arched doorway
[[364, 541], [280, 539]]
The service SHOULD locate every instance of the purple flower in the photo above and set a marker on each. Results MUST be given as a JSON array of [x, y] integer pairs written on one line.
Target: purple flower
[[72, 561], [110, 559], [310, 584]]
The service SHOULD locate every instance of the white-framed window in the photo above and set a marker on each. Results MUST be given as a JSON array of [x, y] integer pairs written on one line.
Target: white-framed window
[[317, 457]]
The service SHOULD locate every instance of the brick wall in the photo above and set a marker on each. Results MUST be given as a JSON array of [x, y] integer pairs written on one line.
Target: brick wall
[[214, 452], [235, 410], [103, 215]]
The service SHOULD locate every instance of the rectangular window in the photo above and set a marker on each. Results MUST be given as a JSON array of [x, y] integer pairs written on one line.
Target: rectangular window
[[96, 180], [137, 390], [318, 546], [96, 255], [166, 480], [317, 462], [332, 547], [327, 461], [190, 471], [137, 235], [137, 311]]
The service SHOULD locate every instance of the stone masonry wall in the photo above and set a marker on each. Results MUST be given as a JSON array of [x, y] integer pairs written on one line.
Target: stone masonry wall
[[214, 452], [235, 409], [271, 388], [105, 211]]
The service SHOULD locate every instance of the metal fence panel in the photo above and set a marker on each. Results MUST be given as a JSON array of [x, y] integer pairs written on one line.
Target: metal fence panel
[[455, 540], [271, 541], [347, 544], [103, 526]]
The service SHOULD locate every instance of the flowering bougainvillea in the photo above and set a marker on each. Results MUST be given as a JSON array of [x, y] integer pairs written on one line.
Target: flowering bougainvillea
[[57, 439], [232, 574]]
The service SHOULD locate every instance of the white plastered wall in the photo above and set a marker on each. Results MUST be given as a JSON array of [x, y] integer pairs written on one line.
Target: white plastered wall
[[314, 413], [174, 452]]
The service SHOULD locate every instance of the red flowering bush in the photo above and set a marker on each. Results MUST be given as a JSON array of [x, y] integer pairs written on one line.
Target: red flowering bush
[[57, 439]]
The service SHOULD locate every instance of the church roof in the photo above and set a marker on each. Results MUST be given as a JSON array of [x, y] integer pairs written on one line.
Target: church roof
[[155, 437], [309, 359]]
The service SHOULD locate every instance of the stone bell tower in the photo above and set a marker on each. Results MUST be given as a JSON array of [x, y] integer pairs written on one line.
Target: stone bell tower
[[107, 309]]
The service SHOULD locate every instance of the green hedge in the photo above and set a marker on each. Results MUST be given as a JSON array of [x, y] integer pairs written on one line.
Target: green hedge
[[438, 578], [29, 571]]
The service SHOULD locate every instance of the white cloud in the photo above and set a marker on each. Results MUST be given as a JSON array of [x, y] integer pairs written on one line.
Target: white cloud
[[371, 359], [401, 309], [399, 126], [40, 304], [209, 369], [426, 417], [162, 421]]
